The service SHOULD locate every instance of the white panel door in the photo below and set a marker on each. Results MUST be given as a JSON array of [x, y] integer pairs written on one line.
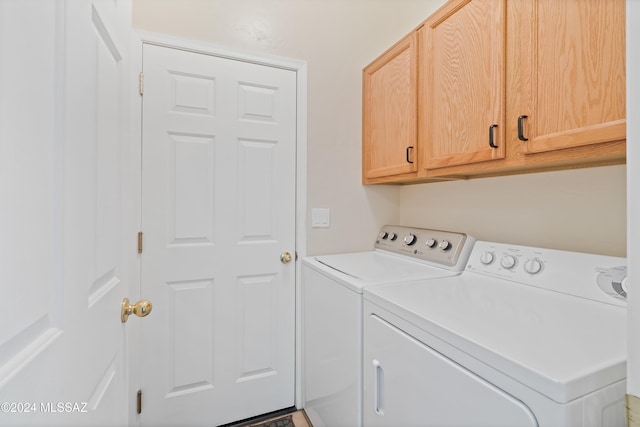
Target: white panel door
[[218, 210], [63, 82]]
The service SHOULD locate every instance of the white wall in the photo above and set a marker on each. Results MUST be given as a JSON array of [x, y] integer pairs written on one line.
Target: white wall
[[633, 180], [580, 210], [574, 210], [337, 39]]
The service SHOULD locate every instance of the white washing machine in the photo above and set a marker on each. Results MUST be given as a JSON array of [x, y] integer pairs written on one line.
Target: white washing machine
[[523, 337], [332, 288]]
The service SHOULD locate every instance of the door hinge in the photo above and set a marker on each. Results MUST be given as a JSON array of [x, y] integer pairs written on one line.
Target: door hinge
[[139, 402], [140, 242], [141, 83]]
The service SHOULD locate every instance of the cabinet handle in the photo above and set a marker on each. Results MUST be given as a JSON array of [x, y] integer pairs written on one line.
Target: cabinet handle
[[409, 153], [377, 394], [521, 136], [491, 143]]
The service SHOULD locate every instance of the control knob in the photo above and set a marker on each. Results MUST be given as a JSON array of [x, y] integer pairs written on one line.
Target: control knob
[[393, 236], [533, 266], [410, 239], [445, 245], [384, 235], [487, 258], [508, 261], [431, 243]]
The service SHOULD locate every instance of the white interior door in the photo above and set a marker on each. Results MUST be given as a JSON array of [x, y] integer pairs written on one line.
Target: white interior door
[[218, 210], [63, 82]]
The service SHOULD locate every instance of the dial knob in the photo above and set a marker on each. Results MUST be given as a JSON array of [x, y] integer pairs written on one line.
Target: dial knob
[[508, 261], [384, 235], [431, 243], [410, 239], [393, 236], [487, 257], [533, 266], [445, 245]]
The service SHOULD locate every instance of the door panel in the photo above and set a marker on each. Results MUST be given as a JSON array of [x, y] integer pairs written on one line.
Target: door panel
[[218, 210], [389, 114], [463, 49], [407, 383], [191, 187], [191, 362], [577, 90], [64, 80]]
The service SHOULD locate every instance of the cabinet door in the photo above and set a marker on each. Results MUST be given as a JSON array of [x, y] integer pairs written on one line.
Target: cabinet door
[[389, 112], [577, 75], [462, 48]]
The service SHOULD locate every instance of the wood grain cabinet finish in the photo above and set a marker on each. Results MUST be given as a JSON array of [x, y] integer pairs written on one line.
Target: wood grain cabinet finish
[[564, 86], [577, 74], [544, 78], [389, 113], [462, 99]]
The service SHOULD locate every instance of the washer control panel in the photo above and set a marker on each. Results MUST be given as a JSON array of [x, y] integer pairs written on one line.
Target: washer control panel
[[598, 277], [441, 247]]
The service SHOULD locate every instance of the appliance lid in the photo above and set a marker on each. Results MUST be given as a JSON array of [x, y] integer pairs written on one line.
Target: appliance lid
[[560, 345], [376, 267]]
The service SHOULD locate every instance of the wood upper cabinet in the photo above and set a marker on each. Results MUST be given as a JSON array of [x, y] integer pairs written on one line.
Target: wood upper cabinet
[[462, 108], [497, 87], [389, 113], [576, 68], [554, 73]]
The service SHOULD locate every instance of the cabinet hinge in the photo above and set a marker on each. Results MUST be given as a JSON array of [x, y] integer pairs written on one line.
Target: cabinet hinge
[[140, 242], [139, 402], [141, 83]]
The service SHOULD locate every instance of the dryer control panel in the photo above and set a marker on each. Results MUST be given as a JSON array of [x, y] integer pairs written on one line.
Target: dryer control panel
[[613, 281], [596, 277], [445, 248]]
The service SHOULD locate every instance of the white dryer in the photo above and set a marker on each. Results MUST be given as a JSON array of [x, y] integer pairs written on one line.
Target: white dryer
[[332, 288], [523, 337]]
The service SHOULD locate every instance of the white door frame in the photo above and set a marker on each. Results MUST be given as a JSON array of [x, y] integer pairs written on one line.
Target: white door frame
[[300, 68]]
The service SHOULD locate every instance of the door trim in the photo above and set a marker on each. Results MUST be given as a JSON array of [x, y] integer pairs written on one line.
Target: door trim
[[135, 204]]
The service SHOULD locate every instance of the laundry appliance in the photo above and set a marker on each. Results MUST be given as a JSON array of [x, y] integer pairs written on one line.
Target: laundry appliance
[[332, 287], [523, 337]]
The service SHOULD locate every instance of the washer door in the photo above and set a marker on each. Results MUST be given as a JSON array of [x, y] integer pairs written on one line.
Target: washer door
[[406, 383]]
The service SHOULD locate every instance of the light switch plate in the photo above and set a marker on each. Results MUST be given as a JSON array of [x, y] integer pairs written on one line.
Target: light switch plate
[[320, 218]]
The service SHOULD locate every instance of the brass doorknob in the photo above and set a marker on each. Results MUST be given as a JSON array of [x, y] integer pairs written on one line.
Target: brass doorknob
[[285, 257], [140, 309]]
